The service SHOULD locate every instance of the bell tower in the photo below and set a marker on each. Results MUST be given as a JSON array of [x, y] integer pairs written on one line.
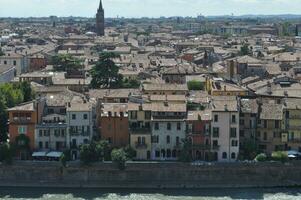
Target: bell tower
[[100, 20]]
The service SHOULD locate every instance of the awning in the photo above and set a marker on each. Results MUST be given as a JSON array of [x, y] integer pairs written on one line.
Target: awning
[[39, 154], [54, 154]]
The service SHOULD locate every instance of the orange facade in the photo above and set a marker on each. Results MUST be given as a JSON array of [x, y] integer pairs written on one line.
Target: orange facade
[[115, 130], [22, 122]]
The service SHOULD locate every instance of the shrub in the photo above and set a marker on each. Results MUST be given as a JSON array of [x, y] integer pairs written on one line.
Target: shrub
[[195, 85], [261, 157], [6, 153], [280, 156], [119, 157]]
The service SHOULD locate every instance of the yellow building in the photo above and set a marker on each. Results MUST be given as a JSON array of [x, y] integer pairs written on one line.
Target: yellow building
[[291, 136], [140, 129]]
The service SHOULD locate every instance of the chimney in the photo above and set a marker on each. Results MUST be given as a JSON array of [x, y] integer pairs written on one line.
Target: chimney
[[269, 88], [225, 88]]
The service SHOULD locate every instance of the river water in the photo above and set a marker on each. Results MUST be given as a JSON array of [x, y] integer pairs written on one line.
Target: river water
[[203, 194]]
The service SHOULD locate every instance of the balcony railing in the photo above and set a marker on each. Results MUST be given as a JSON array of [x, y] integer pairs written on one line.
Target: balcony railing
[[168, 117], [298, 140], [21, 120], [140, 130], [215, 147], [140, 145]]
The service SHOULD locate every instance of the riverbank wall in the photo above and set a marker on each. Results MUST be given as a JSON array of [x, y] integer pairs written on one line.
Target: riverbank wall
[[151, 175]]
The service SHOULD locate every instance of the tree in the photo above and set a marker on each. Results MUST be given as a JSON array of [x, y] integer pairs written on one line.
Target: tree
[[6, 153], [87, 154], [28, 93], [64, 62], [133, 83], [195, 85], [249, 150], [119, 157], [130, 152], [102, 150], [105, 72], [3, 120], [185, 155], [244, 50]]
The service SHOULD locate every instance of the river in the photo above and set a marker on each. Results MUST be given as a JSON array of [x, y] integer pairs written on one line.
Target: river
[[200, 194]]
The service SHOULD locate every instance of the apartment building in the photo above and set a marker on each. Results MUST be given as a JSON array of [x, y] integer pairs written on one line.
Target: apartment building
[[225, 129]]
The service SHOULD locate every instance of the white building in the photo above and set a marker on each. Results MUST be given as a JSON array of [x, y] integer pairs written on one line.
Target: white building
[[168, 130], [225, 129], [80, 126], [18, 61], [7, 73]]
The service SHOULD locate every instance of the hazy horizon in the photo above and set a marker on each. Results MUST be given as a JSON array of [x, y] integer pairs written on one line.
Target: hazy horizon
[[147, 8]]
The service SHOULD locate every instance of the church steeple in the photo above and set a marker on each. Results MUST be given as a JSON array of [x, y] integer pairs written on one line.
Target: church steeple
[[100, 5], [100, 20]]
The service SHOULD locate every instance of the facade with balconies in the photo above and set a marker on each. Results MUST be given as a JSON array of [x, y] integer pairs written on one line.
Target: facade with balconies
[[168, 130], [140, 121], [79, 120]]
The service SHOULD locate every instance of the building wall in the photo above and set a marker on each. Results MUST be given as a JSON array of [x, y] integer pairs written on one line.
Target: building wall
[[7, 76], [29, 124], [115, 130], [224, 140], [162, 133]]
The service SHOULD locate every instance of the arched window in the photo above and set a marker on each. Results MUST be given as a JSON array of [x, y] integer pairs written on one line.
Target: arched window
[[168, 126], [224, 155], [174, 153], [233, 155]]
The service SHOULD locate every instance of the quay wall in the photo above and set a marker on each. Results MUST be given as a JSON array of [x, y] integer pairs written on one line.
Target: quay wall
[[151, 175]]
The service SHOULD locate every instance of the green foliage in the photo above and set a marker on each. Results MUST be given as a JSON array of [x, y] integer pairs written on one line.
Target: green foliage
[[195, 85], [6, 153], [105, 72], [119, 157], [66, 156], [244, 50], [130, 152], [261, 157], [64, 62], [185, 155], [133, 83], [195, 106], [249, 149], [12, 94], [280, 156], [94, 152]]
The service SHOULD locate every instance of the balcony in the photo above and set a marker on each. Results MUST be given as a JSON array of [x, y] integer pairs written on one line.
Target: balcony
[[52, 125], [295, 117], [140, 130], [140, 145], [21, 120], [297, 140], [169, 117], [85, 134], [201, 147], [215, 147]]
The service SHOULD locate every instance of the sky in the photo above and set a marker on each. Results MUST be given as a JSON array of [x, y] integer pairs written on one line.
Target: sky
[[146, 8]]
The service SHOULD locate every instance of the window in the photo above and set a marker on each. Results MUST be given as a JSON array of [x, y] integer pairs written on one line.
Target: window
[[134, 115], [224, 155], [41, 145], [5, 62], [233, 119], [155, 139], [277, 124], [234, 143], [157, 154], [215, 143], [265, 124], [147, 115], [86, 141], [215, 132], [241, 133], [265, 136], [63, 133], [46, 145], [168, 139], [168, 126], [22, 129], [156, 126], [40, 133], [215, 118], [178, 126], [177, 140], [233, 132], [73, 116], [241, 122], [85, 116], [168, 153], [233, 155]]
